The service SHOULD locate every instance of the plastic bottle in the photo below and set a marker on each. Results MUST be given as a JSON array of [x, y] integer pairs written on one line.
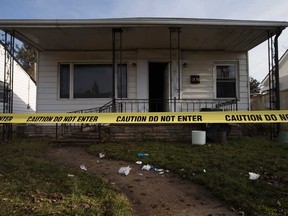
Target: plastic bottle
[[142, 155]]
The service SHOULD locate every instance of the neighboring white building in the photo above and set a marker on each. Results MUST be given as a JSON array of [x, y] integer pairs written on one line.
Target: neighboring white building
[[283, 75], [283, 72], [182, 64], [24, 87], [264, 102]]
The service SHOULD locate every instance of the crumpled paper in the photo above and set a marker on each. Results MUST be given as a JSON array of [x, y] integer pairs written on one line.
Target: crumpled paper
[[125, 170], [253, 176]]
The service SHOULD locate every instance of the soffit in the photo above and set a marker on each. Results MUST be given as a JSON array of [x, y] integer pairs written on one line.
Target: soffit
[[195, 34]]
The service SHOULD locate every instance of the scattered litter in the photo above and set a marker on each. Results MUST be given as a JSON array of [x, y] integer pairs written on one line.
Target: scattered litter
[[139, 162], [253, 176], [125, 170], [181, 170], [142, 155], [278, 203], [69, 175], [83, 167], [204, 170], [167, 171], [97, 161], [149, 167], [146, 167], [101, 155], [140, 174], [156, 169]]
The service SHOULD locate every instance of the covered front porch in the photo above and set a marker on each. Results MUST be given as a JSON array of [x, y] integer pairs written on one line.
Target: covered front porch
[[143, 64]]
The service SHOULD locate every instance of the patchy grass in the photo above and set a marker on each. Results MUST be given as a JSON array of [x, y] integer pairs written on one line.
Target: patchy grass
[[30, 185], [226, 167]]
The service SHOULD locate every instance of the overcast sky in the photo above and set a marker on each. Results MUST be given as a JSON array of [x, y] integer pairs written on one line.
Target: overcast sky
[[276, 10]]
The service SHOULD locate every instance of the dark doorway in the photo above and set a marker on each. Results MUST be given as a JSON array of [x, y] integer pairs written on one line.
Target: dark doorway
[[157, 87]]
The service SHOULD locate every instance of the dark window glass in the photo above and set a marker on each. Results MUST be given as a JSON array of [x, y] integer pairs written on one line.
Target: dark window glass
[[64, 81], [122, 81], [1, 91], [92, 81], [226, 81], [226, 89]]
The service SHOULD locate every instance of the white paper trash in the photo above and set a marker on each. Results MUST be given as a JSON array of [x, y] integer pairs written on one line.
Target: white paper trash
[[198, 137]]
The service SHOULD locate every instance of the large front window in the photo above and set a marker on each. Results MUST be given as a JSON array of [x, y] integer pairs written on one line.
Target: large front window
[[226, 81], [91, 81]]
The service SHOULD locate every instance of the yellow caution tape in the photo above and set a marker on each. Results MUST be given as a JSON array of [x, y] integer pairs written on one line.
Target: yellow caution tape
[[279, 116]]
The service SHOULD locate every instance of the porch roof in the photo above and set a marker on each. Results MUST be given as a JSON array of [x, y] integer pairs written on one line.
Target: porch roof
[[142, 33]]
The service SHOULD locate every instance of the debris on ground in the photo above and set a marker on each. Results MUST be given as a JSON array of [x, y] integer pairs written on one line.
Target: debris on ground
[[142, 155], [139, 162], [101, 155], [146, 167], [253, 176], [69, 175], [152, 168], [83, 167], [124, 170]]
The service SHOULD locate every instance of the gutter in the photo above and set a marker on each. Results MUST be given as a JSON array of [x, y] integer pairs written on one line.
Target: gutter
[[134, 22]]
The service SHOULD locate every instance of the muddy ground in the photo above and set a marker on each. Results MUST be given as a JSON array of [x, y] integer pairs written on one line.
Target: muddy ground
[[150, 193]]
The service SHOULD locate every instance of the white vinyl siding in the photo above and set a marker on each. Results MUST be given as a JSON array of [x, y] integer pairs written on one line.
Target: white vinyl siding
[[202, 64], [198, 63], [48, 94], [283, 72], [24, 88]]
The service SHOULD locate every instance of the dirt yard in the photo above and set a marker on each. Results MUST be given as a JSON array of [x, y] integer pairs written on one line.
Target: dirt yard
[[150, 193]]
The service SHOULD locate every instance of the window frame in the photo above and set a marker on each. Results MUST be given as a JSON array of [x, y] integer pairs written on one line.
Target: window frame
[[236, 78], [71, 82]]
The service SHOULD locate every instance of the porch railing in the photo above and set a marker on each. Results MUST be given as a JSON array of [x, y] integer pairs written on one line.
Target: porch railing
[[146, 105], [175, 105]]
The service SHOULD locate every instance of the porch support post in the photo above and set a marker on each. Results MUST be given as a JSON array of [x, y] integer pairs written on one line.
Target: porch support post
[[113, 70], [277, 86], [276, 60], [175, 54], [8, 82], [179, 61], [114, 32], [170, 66]]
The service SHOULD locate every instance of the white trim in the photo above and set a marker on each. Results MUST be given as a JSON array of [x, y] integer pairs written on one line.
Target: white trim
[[226, 63]]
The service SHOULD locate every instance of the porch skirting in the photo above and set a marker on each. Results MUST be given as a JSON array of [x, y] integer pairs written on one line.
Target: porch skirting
[[128, 132], [142, 132]]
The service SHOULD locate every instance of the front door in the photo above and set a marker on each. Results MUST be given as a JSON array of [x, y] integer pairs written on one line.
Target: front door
[[158, 87]]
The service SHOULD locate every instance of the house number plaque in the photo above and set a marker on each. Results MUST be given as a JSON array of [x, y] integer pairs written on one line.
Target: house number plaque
[[194, 79]]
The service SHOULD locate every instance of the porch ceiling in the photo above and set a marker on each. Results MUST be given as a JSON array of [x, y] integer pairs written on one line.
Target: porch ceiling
[[142, 33]]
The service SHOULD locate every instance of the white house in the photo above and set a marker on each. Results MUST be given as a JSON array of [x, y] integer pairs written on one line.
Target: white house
[[283, 72], [142, 64], [24, 87], [262, 101]]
